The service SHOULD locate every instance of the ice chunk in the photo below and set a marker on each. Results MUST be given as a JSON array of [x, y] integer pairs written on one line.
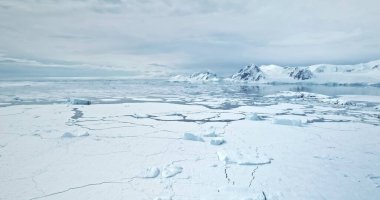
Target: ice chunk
[[171, 170], [85, 134], [76, 101], [217, 141], [253, 117], [152, 172], [240, 158], [163, 198], [72, 135], [222, 155], [68, 135], [261, 160], [193, 137], [289, 122], [210, 134]]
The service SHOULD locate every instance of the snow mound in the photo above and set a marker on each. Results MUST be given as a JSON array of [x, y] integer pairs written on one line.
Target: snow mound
[[171, 170], [249, 73], [288, 122], [192, 137], [217, 141], [76, 101]]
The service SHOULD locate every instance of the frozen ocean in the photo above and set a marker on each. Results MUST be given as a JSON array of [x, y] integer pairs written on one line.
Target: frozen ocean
[[112, 138]]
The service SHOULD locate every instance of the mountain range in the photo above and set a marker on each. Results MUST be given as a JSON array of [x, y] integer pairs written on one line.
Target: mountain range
[[363, 73]]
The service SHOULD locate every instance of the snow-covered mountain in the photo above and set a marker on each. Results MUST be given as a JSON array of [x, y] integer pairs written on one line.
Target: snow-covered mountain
[[301, 73], [249, 73], [203, 76], [364, 73], [362, 67], [198, 76]]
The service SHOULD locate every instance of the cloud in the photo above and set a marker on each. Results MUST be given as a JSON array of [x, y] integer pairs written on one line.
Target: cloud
[[171, 35], [318, 38]]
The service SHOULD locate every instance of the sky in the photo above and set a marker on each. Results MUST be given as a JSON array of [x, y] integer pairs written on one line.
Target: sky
[[163, 37]]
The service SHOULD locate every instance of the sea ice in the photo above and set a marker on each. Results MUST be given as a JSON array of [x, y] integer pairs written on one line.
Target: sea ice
[[171, 170], [235, 193], [67, 135], [241, 158], [289, 122], [193, 137], [217, 141], [253, 117], [123, 144], [163, 198], [222, 155], [210, 134], [72, 135], [151, 172], [76, 101], [375, 180]]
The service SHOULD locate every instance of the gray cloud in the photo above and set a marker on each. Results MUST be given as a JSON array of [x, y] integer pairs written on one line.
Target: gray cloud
[[171, 35]]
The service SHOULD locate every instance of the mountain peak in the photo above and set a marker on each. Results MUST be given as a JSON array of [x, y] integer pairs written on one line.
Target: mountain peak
[[249, 73]]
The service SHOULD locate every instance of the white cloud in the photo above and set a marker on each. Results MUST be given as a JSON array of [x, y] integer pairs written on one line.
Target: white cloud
[[178, 34], [318, 38]]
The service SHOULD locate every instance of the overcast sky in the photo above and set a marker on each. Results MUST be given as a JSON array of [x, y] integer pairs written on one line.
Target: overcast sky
[[168, 36]]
